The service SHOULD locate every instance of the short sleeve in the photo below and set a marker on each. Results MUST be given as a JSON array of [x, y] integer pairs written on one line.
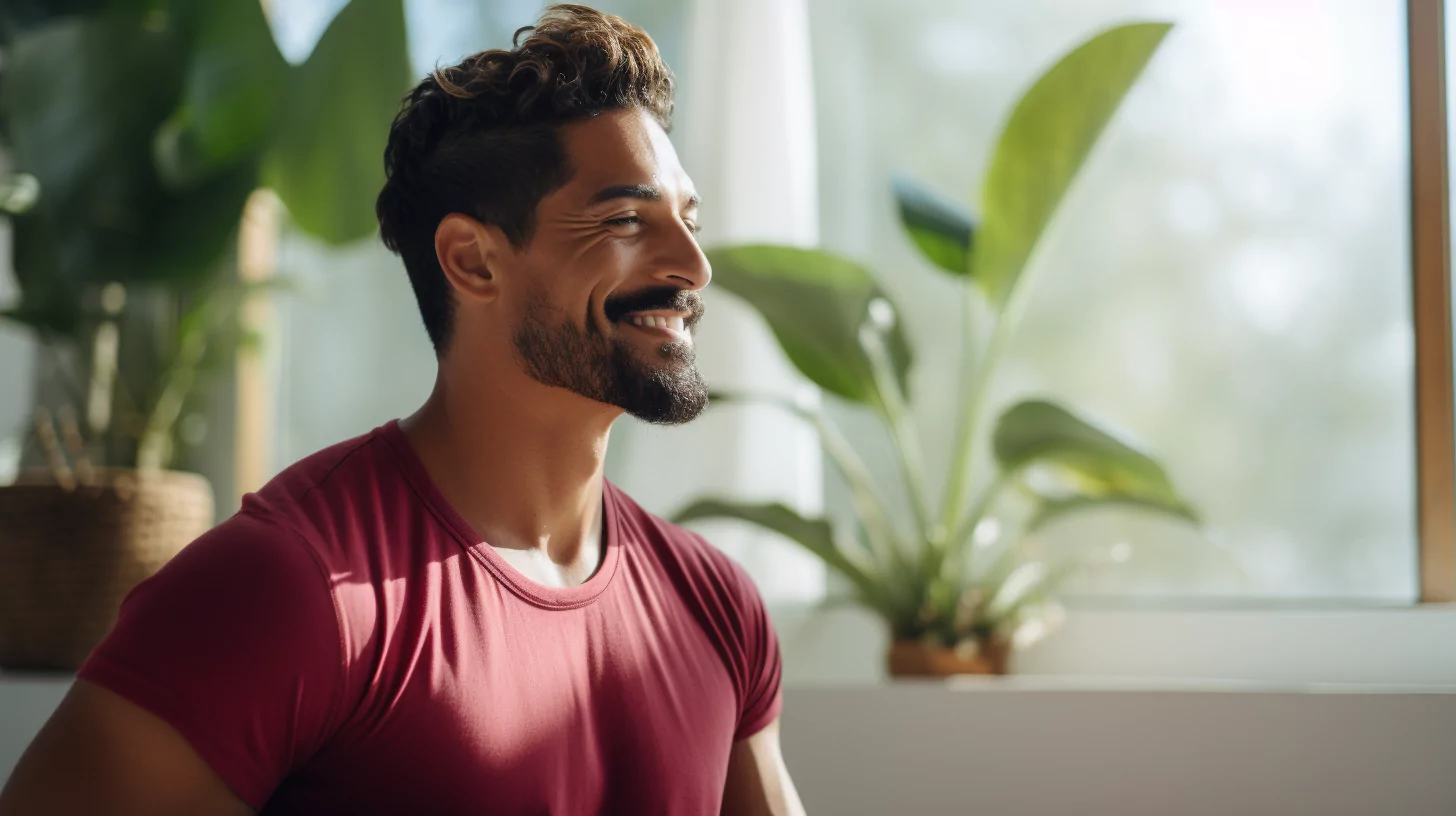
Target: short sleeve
[[235, 643], [762, 668]]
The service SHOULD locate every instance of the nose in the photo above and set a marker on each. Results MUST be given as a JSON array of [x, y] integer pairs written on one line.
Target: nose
[[682, 263]]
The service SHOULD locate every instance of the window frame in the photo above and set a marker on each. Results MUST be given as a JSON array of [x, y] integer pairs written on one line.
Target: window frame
[[1431, 301]]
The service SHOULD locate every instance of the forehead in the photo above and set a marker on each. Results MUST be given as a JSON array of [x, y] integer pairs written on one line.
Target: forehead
[[621, 147]]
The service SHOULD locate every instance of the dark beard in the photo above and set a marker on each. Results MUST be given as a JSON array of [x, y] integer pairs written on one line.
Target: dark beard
[[667, 391]]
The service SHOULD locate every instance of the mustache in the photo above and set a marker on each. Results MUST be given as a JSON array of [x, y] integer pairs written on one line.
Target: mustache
[[660, 298]]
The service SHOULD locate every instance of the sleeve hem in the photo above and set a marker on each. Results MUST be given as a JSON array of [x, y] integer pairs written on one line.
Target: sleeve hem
[[227, 764], [761, 720]]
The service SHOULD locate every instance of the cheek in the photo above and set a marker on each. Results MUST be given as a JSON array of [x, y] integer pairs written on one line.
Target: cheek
[[579, 284]]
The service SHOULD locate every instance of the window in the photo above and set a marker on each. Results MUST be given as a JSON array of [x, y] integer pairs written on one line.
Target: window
[[1229, 280]]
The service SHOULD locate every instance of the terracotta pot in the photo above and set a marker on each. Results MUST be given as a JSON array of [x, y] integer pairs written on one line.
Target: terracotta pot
[[912, 658], [69, 555]]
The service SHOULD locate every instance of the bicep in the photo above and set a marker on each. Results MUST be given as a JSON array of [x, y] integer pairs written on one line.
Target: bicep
[[100, 753], [758, 782]]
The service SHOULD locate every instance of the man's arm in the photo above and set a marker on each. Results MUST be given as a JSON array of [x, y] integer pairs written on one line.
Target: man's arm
[[758, 782], [100, 753]]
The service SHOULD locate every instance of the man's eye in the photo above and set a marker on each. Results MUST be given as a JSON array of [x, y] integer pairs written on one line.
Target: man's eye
[[626, 219]]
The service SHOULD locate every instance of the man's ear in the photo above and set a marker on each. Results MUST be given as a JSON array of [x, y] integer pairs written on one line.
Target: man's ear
[[470, 254]]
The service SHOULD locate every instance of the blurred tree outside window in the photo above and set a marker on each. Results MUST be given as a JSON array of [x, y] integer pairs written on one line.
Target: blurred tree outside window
[[1230, 277]]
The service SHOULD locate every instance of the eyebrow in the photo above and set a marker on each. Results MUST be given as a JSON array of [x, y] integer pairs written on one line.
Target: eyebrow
[[644, 192]]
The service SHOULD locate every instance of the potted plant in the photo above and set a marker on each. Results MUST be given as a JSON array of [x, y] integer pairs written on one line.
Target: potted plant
[[956, 592], [138, 136]]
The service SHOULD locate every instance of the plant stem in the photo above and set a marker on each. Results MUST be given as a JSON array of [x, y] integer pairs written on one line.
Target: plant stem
[[975, 390], [61, 372], [969, 405], [894, 413], [194, 330], [154, 450], [868, 504], [967, 530]]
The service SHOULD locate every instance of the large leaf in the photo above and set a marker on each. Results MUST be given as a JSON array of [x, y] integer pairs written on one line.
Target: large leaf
[[19, 16], [18, 193], [328, 163], [814, 534], [815, 302], [1053, 509], [1092, 463], [1044, 144], [235, 82], [938, 227], [82, 99], [190, 232], [53, 316]]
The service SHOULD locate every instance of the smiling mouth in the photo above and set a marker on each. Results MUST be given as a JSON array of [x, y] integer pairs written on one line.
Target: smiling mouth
[[669, 325]]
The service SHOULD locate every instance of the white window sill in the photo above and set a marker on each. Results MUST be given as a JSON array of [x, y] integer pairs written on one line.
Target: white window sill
[[1397, 648]]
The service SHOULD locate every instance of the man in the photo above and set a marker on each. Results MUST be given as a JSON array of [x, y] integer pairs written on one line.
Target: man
[[456, 613]]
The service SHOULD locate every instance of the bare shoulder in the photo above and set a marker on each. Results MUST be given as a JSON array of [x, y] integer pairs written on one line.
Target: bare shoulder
[[101, 753]]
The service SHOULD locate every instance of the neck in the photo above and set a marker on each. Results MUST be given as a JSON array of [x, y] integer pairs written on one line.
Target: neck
[[521, 462]]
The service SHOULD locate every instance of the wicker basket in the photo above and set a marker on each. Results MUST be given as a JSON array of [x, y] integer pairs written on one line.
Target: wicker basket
[[69, 557]]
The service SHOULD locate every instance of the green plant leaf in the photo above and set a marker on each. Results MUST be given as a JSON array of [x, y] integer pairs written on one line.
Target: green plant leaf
[[1093, 464], [815, 302], [81, 98], [190, 232], [18, 193], [1046, 141], [327, 164], [1054, 509], [940, 228], [235, 81], [56, 318], [813, 534], [19, 16]]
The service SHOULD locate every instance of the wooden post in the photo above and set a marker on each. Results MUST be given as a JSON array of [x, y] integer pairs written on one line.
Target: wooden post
[[257, 261]]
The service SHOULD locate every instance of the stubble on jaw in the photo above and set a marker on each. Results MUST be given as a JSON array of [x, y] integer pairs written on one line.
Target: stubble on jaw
[[610, 370]]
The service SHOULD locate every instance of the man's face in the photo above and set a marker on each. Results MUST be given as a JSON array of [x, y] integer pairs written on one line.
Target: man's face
[[611, 274]]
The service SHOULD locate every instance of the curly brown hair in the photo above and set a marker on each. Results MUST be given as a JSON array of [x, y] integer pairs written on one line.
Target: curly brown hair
[[481, 137]]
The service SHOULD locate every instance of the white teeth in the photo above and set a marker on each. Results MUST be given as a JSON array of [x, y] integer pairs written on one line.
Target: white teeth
[[673, 322]]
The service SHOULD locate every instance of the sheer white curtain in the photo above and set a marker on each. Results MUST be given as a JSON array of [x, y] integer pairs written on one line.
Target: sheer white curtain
[[746, 136]]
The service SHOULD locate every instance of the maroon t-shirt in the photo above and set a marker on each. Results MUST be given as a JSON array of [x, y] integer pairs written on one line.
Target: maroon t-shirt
[[346, 644]]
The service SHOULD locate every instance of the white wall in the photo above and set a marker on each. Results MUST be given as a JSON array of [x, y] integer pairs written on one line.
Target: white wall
[[17, 351], [926, 749], [1021, 746]]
